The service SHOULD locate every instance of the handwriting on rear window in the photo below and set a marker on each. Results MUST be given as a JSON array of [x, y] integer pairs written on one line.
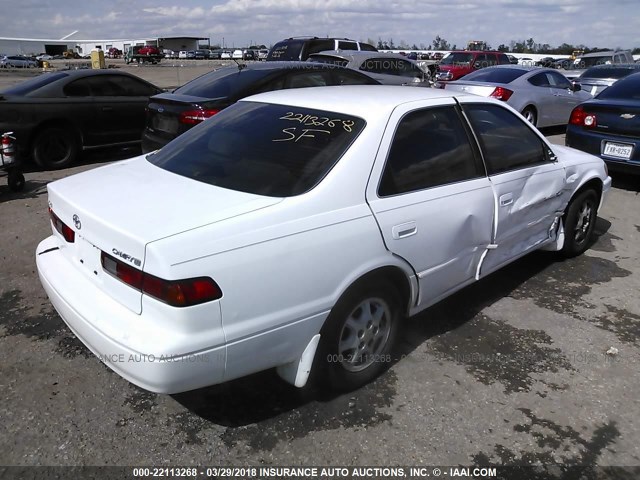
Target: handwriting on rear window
[[315, 121], [293, 134]]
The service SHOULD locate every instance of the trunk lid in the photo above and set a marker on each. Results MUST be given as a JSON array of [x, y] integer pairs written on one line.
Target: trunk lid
[[120, 208], [164, 112], [476, 88], [615, 117]]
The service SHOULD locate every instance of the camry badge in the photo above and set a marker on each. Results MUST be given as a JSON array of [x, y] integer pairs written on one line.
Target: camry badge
[[77, 222], [627, 116]]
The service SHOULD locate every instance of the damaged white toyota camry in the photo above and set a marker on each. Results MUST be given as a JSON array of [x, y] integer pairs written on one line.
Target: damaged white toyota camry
[[297, 228]]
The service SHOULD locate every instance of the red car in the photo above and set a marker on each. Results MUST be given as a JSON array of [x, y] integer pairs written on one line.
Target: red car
[[458, 63], [149, 50]]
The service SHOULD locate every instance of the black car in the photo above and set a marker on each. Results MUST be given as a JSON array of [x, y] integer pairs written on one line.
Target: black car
[[609, 125], [57, 114], [170, 114]]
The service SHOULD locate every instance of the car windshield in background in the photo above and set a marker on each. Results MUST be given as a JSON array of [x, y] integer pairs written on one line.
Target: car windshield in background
[[626, 89], [221, 83], [457, 59], [33, 84], [609, 72], [264, 149], [495, 75], [593, 61]]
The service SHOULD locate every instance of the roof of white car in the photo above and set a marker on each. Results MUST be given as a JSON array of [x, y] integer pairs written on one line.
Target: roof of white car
[[358, 100]]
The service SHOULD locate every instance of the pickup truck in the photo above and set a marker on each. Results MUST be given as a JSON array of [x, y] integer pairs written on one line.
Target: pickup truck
[[143, 54]]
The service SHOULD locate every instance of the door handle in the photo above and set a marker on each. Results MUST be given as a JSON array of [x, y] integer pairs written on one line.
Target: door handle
[[506, 199], [404, 230]]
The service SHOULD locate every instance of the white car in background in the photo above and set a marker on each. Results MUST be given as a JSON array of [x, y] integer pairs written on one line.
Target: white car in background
[[182, 55], [302, 244]]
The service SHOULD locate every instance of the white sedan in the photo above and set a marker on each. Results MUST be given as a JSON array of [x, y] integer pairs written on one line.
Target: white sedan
[[296, 229]]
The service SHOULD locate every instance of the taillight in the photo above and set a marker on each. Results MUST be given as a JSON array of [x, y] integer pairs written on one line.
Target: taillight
[[193, 117], [62, 228], [501, 93], [582, 119], [177, 293]]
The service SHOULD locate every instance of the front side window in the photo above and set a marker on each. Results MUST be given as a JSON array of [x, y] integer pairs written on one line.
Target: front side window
[[507, 142], [430, 148], [259, 148]]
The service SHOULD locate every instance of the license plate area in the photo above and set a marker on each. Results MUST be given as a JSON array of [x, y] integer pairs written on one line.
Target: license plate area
[[165, 123], [89, 257], [617, 150]]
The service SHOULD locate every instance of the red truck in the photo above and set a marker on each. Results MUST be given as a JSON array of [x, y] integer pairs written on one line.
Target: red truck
[[143, 54], [458, 63]]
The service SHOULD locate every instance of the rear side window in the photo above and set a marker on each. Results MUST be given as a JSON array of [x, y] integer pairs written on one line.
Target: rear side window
[[309, 79], [315, 46], [286, 50], [342, 45], [507, 142], [264, 149], [78, 88], [430, 148], [367, 47]]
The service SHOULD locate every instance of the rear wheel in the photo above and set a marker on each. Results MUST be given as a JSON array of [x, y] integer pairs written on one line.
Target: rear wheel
[[529, 114], [579, 222], [55, 147], [358, 338]]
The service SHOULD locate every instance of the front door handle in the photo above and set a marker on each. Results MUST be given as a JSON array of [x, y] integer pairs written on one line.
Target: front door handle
[[506, 199], [404, 230]]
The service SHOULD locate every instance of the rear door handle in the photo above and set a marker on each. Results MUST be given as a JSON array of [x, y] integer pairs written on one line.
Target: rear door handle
[[404, 230], [506, 199]]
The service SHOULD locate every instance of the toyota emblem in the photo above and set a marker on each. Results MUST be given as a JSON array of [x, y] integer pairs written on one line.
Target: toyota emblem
[[77, 222]]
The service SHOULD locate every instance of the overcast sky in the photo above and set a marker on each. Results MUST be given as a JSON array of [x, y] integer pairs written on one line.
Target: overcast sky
[[601, 23]]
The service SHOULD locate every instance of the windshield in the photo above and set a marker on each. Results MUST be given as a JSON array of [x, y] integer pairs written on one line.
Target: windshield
[[35, 83], [264, 149], [457, 59], [495, 75]]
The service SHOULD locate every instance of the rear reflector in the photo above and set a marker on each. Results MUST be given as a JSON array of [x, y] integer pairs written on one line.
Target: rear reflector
[[501, 93], [62, 228], [193, 117], [177, 293]]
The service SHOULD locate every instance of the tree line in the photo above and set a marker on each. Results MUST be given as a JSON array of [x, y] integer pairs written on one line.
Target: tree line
[[514, 46]]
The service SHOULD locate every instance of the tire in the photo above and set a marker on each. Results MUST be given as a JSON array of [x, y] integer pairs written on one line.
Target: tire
[[579, 223], [358, 338], [55, 147], [16, 181], [529, 114]]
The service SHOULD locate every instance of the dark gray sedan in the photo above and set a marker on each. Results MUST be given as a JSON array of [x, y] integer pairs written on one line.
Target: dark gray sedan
[[596, 79], [543, 96]]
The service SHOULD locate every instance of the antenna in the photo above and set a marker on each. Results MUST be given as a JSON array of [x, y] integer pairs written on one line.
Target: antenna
[[241, 66]]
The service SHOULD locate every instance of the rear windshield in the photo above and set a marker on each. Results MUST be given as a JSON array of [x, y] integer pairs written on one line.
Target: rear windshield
[[264, 149], [495, 75], [222, 83], [35, 83], [286, 51], [613, 72], [459, 58], [626, 89]]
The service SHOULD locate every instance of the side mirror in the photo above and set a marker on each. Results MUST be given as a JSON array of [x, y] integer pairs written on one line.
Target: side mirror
[[575, 86]]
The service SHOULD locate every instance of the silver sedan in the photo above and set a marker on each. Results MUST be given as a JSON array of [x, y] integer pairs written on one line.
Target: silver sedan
[[543, 96]]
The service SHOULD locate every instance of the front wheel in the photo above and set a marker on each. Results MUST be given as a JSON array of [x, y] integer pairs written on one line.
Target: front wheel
[[55, 147], [579, 223], [358, 338]]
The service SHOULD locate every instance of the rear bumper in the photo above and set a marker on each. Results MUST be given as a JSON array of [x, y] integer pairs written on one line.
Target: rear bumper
[[593, 142], [86, 309], [151, 142]]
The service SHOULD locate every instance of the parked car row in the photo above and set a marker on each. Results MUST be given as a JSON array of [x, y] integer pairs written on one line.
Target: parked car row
[[17, 61]]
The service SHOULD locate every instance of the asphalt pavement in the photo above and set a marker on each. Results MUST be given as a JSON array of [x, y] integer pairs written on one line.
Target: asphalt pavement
[[536, 364]]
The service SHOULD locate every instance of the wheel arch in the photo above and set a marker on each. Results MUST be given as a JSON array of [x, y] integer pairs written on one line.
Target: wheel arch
[[57, 123], [593, 183]]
